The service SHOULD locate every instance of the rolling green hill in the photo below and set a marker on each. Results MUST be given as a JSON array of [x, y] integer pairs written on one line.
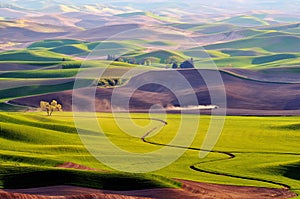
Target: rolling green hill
[[272, 58], [59, 73], [76, 49], [282, 27], [148, 14], [23, 91], [185, 26], [57, 143], [234, 53], [246, 21], [32, 55], [214, 28], [53, 43], [272, 44], [241, 60], [132, 14], [80, 48], [161, 56], [267, 157]]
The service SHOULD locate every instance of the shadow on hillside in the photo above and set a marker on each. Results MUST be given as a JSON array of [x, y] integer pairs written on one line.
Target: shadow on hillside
[[290, 127], [292, 171]]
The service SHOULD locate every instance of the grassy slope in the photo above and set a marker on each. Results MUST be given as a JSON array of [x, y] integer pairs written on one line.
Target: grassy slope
[[245, 21], [285, 43], [251, 62], [45, 142], [243, 53], [28, 177], [69, 70], [149, 14], [32, 55], [265, 148], [213, 28], [161, 55], [11, 93], [234, 53], [74, 47], [53, 43], [58, 73]]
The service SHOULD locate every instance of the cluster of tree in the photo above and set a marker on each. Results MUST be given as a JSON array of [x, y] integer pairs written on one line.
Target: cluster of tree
[[185, 64], [173, 60], [50, 107], [111, 82], [130, 60]]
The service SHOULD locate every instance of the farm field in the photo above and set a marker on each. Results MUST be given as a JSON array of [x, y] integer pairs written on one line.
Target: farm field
[[127, 99], [251, 151]]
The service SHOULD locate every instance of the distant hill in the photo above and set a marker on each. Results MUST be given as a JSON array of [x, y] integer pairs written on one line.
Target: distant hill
[[245, 21], [8, 13], [31, 55], [161, 56], [214, 28], [82, 48], [53, 43], [270, 43], [103, 32], [243, 95]]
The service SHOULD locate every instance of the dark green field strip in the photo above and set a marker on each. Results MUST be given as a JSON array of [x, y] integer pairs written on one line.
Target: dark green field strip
[[12, 108], [272, 58], [280, 43], [33, 63], [29, 177], [53, 43], [58, 73], [32, 55], [26, 91]]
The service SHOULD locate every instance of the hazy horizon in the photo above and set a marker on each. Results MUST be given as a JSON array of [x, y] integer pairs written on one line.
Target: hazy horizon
[[226, 6]]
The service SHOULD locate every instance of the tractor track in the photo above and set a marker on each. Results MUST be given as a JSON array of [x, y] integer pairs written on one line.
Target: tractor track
[[230, 155]]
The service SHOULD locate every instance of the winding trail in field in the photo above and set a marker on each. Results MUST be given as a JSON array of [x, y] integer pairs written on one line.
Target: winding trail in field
[[230, 155], [189, 189]]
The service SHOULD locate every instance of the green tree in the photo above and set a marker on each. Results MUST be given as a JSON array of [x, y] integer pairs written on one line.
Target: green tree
[[172, 59], [187, 64], [50, 107], [147, 62], [174, 65]]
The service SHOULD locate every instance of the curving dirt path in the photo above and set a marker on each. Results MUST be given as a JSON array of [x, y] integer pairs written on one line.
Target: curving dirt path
[[229, 155]]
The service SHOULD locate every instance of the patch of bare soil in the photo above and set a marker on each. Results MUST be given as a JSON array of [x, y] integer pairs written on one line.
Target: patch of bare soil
[[243, 96], [13, 195], [190, 190], [71, 165], [284, 74]]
